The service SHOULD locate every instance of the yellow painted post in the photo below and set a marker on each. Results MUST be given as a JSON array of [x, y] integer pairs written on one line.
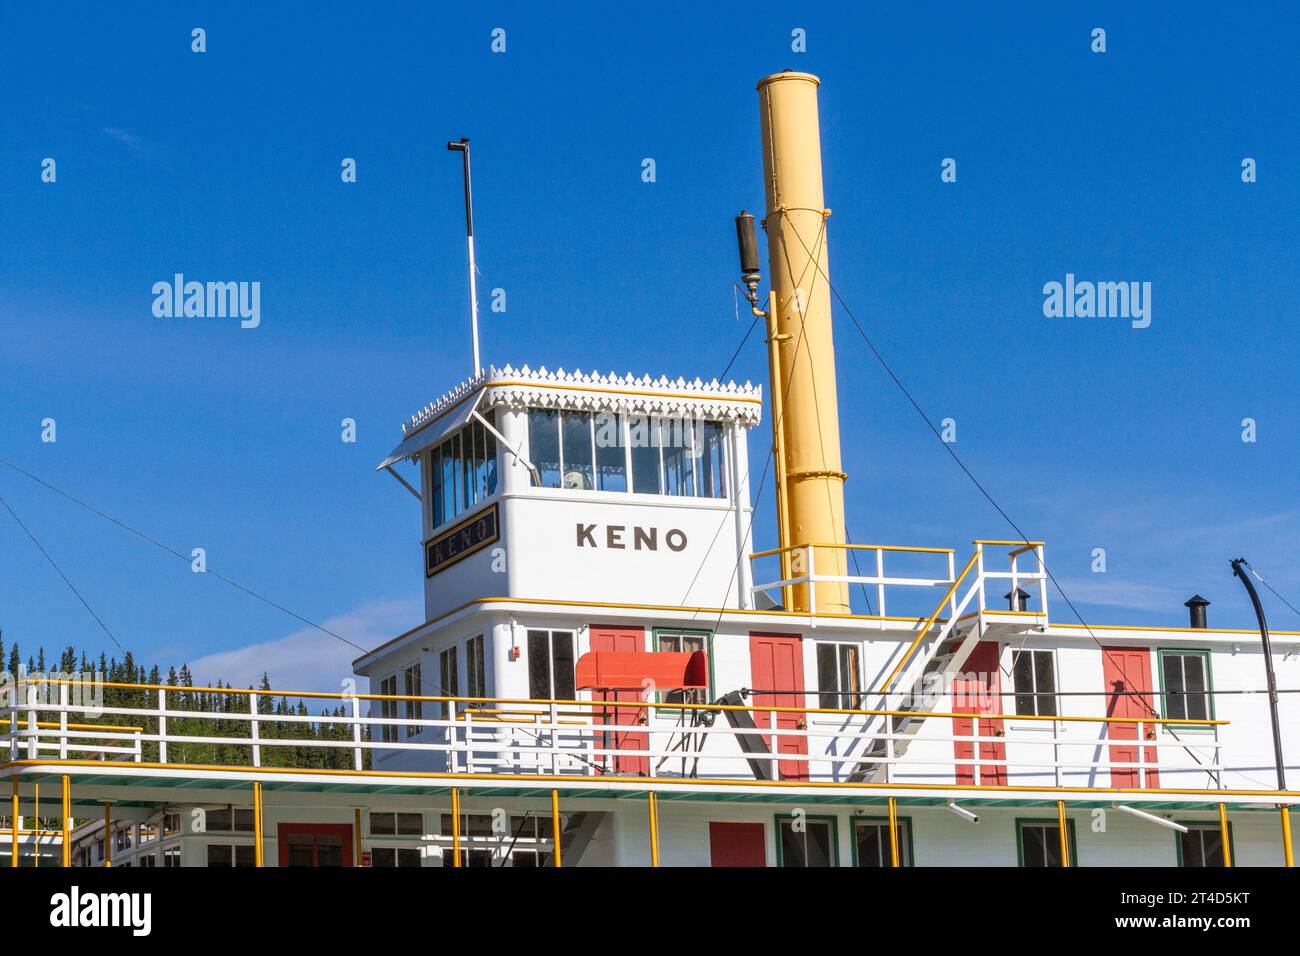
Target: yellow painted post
[[1223, 830], [67, 812], [455, 826], [257, 824], [654, 829], [555, 825], [797, 260], [1287, 854], [1065, 833], [13, 821], [356, 836], [893, 832], [108, 844]]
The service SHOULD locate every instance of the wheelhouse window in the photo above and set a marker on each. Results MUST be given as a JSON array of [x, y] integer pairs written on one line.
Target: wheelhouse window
[[683, 642], [807, 841], [414, 708], [1039, 842], [839, 676], [871, 842], [1201, 845], [611, 452], [550, 665], [1185, 682], [600, 451], [1034, 676], [462, 471]]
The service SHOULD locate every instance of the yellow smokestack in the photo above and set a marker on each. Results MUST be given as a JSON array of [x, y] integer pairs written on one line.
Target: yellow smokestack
[[796, 243]]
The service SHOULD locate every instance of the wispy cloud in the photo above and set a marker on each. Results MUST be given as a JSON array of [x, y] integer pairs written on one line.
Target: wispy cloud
[[309, 659], [1103, 590], [122, 136]]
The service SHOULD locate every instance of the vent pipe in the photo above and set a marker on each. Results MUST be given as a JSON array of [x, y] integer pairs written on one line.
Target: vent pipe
[[1016, 600], [1196, 606], [804, 371]]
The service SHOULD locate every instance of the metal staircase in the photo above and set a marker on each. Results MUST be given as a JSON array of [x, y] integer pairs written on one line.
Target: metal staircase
[[950, 653]]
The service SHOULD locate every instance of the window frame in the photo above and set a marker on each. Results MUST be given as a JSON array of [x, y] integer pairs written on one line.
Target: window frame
[[1202, 826], [388, 708], [464, 446], [904, 824], [1203, 652], [694, 427], [448, 674], [1054, 823], [233, 848], [550, 659], [470, 671], [1035, 694], [839, 694], [708, 655], [810, 818], [412, 678], [396, 849], [397, 830]]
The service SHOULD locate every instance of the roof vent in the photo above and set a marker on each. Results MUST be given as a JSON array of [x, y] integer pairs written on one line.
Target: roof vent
[[1196, 606], [1017, 599]]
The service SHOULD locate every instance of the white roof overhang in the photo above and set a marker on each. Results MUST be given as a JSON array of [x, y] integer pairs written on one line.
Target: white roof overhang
[[434, 430]]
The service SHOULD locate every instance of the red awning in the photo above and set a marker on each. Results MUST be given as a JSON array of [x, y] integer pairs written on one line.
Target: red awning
[[635, 670]]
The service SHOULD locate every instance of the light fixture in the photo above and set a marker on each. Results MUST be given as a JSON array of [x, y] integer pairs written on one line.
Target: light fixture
[[1142, 814], [963, 813]]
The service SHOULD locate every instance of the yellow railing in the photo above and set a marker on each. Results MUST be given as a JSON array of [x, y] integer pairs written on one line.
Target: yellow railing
[[929, 623]]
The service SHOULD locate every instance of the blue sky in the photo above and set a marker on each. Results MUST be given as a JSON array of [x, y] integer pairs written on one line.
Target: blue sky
[[225, 165]]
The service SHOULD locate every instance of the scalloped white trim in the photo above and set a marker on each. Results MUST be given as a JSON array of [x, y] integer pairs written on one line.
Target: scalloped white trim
[[580, 391]]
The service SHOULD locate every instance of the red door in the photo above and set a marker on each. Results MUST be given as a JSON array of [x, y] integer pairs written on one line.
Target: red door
[[315, 844], [776, 664], [624, 639], [976, 689], [737, 844], [1127, 672]]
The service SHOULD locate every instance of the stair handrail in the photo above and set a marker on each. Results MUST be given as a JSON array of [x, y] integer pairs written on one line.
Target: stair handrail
[[929, 623]]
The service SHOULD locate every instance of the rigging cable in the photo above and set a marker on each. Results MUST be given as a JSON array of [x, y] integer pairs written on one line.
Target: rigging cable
[[72, 587], [955, 457]]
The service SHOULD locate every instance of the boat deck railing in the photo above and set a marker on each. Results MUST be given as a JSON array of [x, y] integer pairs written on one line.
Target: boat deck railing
[[798, 573], [635, 736]]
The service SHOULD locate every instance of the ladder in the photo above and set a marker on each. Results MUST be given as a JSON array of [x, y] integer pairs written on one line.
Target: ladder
[[947, 652]]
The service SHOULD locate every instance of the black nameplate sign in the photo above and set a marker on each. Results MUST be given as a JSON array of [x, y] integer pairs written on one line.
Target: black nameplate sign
[[473, 534]]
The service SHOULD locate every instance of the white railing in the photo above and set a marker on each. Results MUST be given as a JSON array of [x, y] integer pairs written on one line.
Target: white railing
[[591, 739], [799, 569], [801, 561], [1035, 578]]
